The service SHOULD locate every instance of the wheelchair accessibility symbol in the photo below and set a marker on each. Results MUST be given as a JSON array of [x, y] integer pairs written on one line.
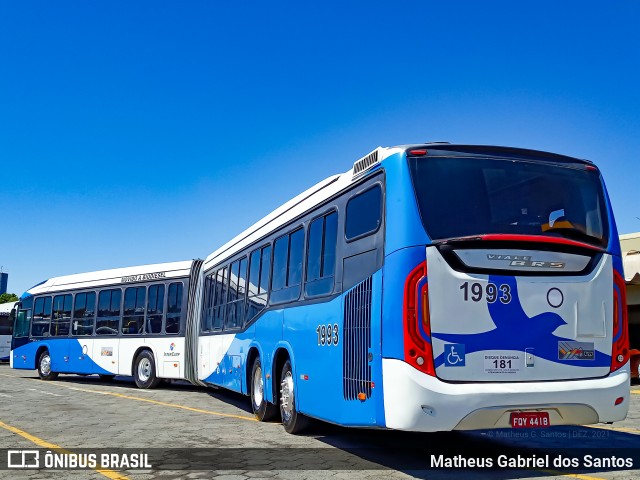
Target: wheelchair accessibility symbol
[[454, 355]]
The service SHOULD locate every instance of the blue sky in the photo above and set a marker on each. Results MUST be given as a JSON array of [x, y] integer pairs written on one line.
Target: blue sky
[[144, 132]]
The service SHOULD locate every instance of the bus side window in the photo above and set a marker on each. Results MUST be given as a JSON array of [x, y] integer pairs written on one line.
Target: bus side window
[[364, 214], [174, 309], [258, 287], [133, 318], [287, 267], [108, 319], [207, 307], [61, 320], [155, 309], [211, 303], [219, 301], [237, 290], [84, 313], [361, 246], [280, 256], [41, 317], [321, 255]]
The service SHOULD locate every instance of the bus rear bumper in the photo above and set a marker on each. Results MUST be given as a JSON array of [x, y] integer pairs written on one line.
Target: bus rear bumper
[[418, 402]]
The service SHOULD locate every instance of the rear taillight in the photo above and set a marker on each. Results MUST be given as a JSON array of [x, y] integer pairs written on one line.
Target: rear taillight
[[417, 331], [620, 347]]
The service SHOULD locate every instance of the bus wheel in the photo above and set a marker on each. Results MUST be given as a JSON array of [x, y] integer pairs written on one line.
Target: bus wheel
[[262, 409], [293, 421], [44, 367], [107, 378], [144, 370]]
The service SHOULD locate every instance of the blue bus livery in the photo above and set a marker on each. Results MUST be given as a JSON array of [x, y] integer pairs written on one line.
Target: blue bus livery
[[431, 287]]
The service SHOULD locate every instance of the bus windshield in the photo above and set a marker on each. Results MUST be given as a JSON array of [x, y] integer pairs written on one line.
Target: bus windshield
[[462, 197]]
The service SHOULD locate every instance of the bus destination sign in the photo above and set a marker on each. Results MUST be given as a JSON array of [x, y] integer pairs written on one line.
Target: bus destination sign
[[144, 277]]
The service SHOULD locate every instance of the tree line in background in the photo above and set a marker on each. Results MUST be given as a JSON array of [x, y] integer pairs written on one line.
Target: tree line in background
[[8, 297]]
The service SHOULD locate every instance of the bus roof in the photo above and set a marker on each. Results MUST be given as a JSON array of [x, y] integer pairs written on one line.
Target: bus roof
[[5, 308], [329, 187], [297, 206], [114, 276]]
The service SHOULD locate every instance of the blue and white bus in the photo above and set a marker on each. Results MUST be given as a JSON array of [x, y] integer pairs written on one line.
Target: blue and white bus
[[125, 321], [7, 313], [431, 287]]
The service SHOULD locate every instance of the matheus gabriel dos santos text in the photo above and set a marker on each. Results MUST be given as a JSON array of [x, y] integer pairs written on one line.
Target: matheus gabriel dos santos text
[[531, 461]]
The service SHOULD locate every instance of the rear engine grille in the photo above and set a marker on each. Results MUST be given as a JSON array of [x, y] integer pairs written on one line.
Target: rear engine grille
[[356, 367]]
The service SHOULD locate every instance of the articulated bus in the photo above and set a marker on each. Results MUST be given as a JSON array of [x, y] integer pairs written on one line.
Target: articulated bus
[[7, 312], [126, 321], [431, 287]]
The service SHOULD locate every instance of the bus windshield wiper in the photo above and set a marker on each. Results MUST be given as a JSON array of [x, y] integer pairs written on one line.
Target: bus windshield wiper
[[446, 241]]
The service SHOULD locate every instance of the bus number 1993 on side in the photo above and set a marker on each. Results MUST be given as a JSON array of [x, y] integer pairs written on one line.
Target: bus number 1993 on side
[[328, 334]]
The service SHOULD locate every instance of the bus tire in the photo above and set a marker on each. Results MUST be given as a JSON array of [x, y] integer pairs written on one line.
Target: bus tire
[[144, 370], [106, 378], [262, 409], [292, 421], [44, 367]]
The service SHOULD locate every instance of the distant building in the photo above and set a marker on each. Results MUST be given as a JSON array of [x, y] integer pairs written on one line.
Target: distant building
[[4, 279], [630, 244]]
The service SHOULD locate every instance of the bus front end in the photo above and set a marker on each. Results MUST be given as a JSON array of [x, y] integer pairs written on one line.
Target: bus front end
[[514, 312]]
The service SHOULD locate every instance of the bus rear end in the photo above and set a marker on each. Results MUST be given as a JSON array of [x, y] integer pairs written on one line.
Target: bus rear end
[[515, 314]]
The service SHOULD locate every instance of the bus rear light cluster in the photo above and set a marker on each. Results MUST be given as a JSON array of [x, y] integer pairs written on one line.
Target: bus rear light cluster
[[417, 330], [620, 346]]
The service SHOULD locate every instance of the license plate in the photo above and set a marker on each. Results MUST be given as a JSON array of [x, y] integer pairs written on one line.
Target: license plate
[[530, 420]]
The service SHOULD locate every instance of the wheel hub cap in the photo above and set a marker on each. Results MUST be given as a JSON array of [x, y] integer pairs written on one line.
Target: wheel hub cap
[[45, 365], [144, 369], [286, 396], [258, 387]]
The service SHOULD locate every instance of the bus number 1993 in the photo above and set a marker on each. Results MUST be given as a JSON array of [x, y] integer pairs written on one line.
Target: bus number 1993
[[328, 334], [491, 292]]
